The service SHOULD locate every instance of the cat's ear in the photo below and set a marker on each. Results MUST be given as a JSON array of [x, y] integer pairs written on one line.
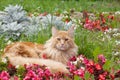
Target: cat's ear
[[54, 31], [71, 31]]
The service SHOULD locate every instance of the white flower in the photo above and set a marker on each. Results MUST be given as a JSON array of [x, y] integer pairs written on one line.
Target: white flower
[[4, 60], [82, 67], [116, 53], [115, 29], [103, 39], [105, 12], [9, 42], [109, 30], [118, 12], [27, 63], [17, 66], [75, 62], [117, 42], [80, 59], [1, 49], [108, 37], [117, 34]]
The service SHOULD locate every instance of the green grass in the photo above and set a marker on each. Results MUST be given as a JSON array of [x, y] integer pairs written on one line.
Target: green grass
[[90, 43], [86, 40], [51, 6]]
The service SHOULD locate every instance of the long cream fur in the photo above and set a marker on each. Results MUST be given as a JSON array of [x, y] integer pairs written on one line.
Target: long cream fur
[[58, 50], [55, 67], [55, 53]]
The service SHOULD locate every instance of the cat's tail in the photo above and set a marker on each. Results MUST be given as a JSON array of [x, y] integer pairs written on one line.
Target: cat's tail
[[54, 66]]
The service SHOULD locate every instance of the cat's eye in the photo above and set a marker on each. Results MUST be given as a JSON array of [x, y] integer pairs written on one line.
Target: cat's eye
[[66, 39], [58, 39]]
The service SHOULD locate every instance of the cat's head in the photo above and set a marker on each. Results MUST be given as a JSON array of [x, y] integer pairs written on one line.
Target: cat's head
[[63, 40]]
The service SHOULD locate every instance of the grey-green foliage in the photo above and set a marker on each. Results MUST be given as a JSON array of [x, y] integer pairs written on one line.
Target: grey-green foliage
[[15, 22], [34, 26], [14, 14], [11, 30], [50, 20]]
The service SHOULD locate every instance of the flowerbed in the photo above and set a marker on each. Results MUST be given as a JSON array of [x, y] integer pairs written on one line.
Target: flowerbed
[[79, 67], [95, 33]]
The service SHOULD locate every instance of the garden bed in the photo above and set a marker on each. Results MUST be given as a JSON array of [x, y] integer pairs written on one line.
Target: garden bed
[[97, 37]]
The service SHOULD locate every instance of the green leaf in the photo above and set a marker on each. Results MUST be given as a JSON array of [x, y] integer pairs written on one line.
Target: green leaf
[[107, 65], [3, 66], [96, 52], [77, 77], [87, 76], [20, 71]]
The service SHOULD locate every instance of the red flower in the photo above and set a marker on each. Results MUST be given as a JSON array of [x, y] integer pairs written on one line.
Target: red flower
[[101, 77], [117, 74], [44, 56], [105, 28], [10, 66], [67, 20], [90, 66], [112, 76], [111, 17], [43, 14], [90, 70], [103, 20], [98, 67], [91, 63], [73, 58]]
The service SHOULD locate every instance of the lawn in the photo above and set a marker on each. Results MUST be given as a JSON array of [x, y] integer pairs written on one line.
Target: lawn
[[63, 5], [97, 32]]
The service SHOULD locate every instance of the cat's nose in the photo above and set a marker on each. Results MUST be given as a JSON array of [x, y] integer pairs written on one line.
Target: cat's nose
[[62, 44]]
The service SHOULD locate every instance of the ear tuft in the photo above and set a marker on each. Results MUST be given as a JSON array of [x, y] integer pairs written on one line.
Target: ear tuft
[[54, 31], [71, 31]]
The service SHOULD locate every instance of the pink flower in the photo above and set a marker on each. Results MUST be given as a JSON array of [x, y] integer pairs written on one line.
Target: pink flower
[[47, 73], [79, 72], [4, 76], [31, 75], [85, 61], [40, 72], [72, 67], [89, 26], [101, 59], [16, 78], [90, 63], [28, 67]]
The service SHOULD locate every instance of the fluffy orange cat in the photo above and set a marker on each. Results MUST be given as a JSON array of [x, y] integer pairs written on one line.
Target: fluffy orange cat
[[58, 50]]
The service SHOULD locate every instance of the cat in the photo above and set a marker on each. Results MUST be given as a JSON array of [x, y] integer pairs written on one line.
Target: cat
[[61, 46], [57, 51]]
